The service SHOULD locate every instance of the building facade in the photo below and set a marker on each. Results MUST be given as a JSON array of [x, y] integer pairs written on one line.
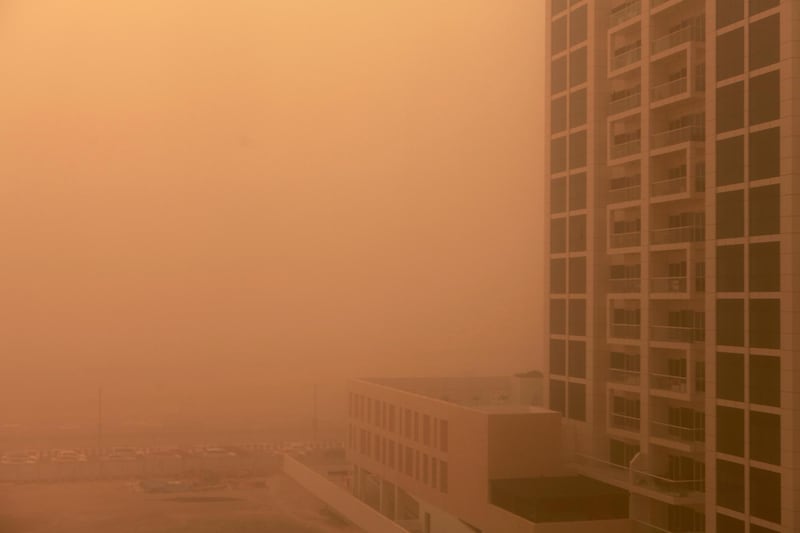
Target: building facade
[[673, 251]]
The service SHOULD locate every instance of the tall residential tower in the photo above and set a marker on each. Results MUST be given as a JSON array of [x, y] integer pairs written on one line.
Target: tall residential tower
[[674, 248]]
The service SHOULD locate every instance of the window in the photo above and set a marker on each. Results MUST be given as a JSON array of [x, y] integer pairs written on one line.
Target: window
[[730, 322], [577, 26], [730, 161], [765, 153], [730, 485], [757, 6], [577, 108], [558, 114], [558, 35], [558, 154], [730, 54], [558, 276], [729, 11], [443, 436], [577, 67], [730, 376], [577, 359], [765, 42], [577, 275], [426, 430], [730, 214], [558, 235], [558, 195], [577, 317], [558, 75], [558, 6], [765, 266], [765, 98], [765, 210], [765, 323], [577, 401], [765, 437], [558, 393], [727, 524], [759, 529], [730, 430], [443, 477], [577, 233], [558, 318], [766, 501], [730, 268], [577, 191], [730, 107], [558, 361], [765, 380], [577, 149]]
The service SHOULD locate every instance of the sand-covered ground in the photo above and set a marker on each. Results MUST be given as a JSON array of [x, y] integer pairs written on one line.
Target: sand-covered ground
[[280, 506]]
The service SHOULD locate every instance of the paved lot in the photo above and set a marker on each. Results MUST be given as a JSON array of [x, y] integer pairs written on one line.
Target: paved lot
[[280, 506]]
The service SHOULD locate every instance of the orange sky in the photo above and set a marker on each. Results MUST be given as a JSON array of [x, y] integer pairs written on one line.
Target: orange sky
[[207, 195]]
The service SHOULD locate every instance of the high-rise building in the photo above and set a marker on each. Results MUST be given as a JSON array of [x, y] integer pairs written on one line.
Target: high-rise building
[[674, 247]]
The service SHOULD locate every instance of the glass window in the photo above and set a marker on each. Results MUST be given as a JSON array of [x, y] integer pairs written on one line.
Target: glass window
[[577, 275], [730, 107], [577, 149], [557, 6], [577, 359], [730, 322], [759, 529], [730, 54], [577, 317], [577, 233], [765, 437], [558, 396], [558, 359], [558, 75], [558, 195], [765, 380], [558, 316], [558, 114], [730, 268], [730, 376], [757, 6], [730, 430], [558, 154], [730, 161], [729, 11], [765, 42], [765, 210], [577, 191], [730, 485], [576, 403], [558, 276], [558, 35], [765, 97], [730, 214], [577, 108], [577, 26], [558, 235], [765, 266], [765, 154], [766, 501], [577, 67], [728, 524], [765, 323]]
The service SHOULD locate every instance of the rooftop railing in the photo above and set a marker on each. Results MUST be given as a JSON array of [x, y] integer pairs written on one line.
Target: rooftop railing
[[691, 32], [679, 433], [628, 57], [618, 105], [668, 284], [668, 382], [625, 149], [625, 331], [624, 376], [692, 233], [677, 334], [623, 12], [626, 240], [679, 135], [624, 194], [624, 285]]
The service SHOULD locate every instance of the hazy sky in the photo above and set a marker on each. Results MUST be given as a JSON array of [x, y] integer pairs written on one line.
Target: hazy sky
[[211, 195]]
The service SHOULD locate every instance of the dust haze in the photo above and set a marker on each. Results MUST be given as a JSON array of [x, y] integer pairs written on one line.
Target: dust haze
[[207, 207]]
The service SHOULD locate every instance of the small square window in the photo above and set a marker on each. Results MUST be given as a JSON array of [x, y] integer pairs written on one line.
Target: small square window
[[765, 266], [730, 54], [765, 98], [765, 437], [765, 380], [765, 502], [558, 276], [730, 430], [765, 154], [730, 107], [730, 214], [765, 323], [730, 161], [730, 376], [765, 210], [730, 268], [765, 42]]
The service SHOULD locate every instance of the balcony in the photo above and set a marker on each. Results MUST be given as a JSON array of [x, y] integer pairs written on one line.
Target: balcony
[[678, 234], [626, 148], [626, 55], [679, 433], [669, 284], [625, 331], [602, 469], [688, 31], [669, 89], [624, 422], [624, 194], [623, 12], [623, 285], [668, 382], [677, 334], [625, 240], [624, 102], [677, 185], [690, 133], [680, 491], [624, 376]]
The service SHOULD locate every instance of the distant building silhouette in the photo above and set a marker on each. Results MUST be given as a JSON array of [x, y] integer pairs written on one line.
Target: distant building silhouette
[[673, 255]]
